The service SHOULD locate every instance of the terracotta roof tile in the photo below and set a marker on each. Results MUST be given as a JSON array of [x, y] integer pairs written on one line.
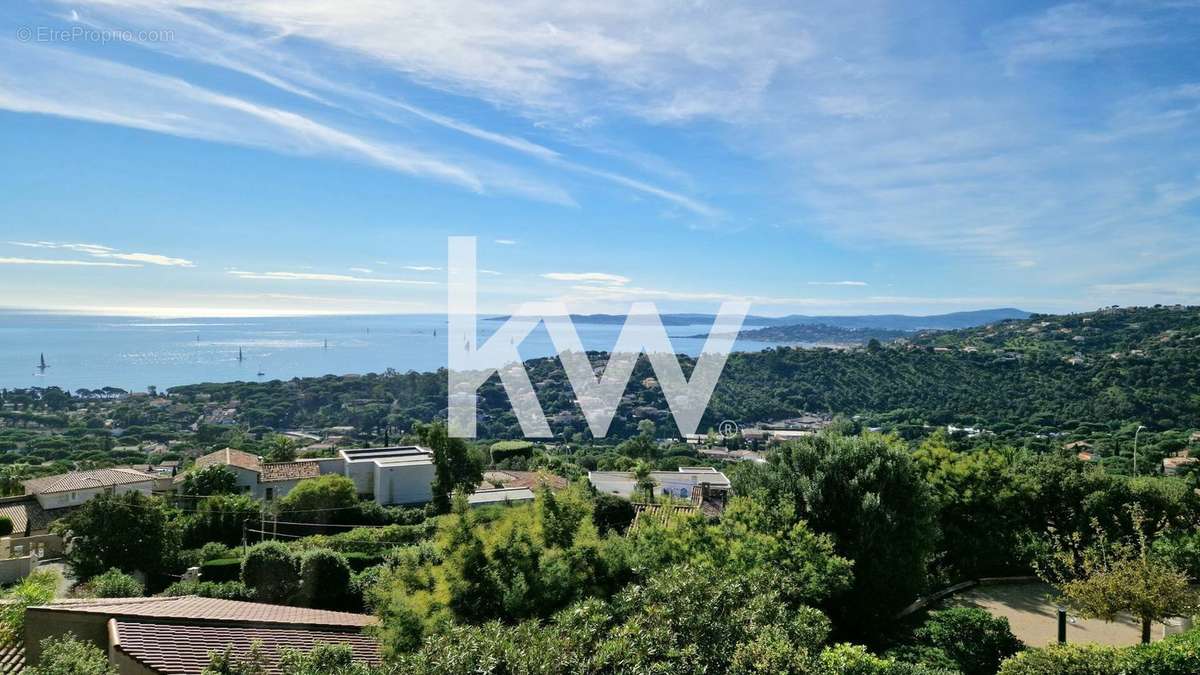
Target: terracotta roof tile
[[25, 511], [174, 649], [289, 471], [197, 609], [81, 480], [230, 457], [12, 658]]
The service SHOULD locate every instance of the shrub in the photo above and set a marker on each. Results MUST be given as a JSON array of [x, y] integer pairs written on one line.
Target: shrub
[[1070, 659], [116, 584], [972, 638], [324, 579], [6, 526], [361, 561], [1176, 655], [612, 513], [66, 655], [271, 571], [215, 550], [223, 569], [36, 589], [227, 590]]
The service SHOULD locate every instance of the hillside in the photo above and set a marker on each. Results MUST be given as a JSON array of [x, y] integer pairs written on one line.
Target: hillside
[[899, 322], [1020, 377]]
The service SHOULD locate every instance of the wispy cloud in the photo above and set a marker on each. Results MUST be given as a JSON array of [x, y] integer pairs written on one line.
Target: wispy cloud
[[590, 277], [1071, 32], [331, 278], [362, 270], [507, 242], [98, 251], [421, 268], [63, 263], [837, 283]]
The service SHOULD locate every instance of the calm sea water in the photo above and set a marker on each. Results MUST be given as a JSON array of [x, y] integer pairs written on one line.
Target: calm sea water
[[134, 353]]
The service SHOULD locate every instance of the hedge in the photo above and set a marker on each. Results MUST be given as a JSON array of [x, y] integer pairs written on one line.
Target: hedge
[[221, 569]]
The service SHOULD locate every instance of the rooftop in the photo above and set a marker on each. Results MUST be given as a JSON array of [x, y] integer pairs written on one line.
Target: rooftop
[[500, 496], [230, 457], [214, 610], [82, 480], [25, 511], [390, 454], [289, 471], [175, 649]]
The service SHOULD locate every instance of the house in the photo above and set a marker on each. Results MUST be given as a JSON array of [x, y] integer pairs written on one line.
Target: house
[[1172, 465], [673, 483], [175, 635], [1080, 446], [395, 475], [30, 534], [262, 480], [72, 489], [504, 495]]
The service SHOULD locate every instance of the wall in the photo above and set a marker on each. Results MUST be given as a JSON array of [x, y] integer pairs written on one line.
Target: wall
[[43, 623], [47, 545], [406, 484], [363, 475], [15, 569]]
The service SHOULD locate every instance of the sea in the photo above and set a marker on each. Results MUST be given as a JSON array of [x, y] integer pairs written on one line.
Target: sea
[[134, 354]]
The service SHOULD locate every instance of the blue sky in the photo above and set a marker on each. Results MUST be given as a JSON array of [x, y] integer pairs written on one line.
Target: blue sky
[[205, 157]]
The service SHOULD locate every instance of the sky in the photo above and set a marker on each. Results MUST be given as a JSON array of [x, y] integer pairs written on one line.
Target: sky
[[274, 157]]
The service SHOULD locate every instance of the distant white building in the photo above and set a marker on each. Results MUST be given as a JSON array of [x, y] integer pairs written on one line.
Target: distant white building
[[396, 475], [75, 488], [673, 483]]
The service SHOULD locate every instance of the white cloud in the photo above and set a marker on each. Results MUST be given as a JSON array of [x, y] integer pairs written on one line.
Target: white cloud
[[362, 270], [333, 278], [98, 251], [837, 283], [589, 277], [506, 242], [64, 263], [421, 268], [1070, 32]]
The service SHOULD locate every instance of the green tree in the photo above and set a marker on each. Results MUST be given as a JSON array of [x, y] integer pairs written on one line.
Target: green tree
[[67, 655], [869, 496], [214, 479], [130, 532], [1111, 578], [324, 499], [6, 526], [223, 519], [974, 640], [272, 572], [456, 467], [324, 579], [280, 449], [560, 517]]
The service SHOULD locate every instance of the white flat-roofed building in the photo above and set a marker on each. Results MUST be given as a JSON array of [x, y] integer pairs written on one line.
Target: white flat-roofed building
[[395, 475], [674, 483], [506, 495]]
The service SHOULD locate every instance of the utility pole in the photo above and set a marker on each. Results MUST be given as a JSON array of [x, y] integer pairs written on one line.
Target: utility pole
[[1135, 443]]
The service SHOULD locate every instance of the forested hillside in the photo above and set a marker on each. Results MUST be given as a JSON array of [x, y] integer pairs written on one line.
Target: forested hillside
[[1043, 374]]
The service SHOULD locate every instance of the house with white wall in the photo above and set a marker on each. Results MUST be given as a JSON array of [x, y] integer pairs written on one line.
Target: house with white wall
[[396, 475], [72, 489]]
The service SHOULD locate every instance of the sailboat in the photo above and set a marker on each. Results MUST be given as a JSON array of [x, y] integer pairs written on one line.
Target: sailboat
[[42, 364], [434, 332], [327, 343], [260, 372], [240, 359]]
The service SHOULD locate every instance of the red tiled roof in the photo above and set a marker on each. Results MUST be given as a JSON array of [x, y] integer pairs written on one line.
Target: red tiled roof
[[289, 471], [199, 610], [24, 511], [230, 457], [174, 649], [82, 480]]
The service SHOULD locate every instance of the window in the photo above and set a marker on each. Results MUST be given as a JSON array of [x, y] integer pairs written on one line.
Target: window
[[270, 495]]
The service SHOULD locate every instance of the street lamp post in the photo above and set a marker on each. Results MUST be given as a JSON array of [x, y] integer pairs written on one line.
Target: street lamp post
[[1135, 443]]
